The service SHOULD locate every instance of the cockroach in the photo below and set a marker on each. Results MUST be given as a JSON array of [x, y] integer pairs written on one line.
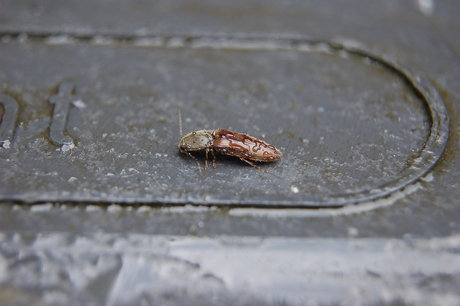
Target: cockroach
[[245, 147]]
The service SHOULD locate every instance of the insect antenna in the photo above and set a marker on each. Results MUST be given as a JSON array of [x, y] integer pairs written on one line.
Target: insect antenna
[[196, 159], [180, 122]]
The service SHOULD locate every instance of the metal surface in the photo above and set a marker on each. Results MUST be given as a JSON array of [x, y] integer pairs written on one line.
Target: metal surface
[[357, 96], [353, 126], [141, 269]]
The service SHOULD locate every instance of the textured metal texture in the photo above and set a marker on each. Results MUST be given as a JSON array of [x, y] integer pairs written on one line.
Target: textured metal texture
[[98, 207], [346, 139]]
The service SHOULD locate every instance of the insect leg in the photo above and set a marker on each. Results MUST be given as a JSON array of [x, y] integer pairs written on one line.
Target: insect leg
[[198, 163], [252, 164], [206, 160], [213, 159]]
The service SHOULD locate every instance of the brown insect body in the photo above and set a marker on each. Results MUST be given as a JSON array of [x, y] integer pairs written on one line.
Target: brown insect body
[[230, 143]]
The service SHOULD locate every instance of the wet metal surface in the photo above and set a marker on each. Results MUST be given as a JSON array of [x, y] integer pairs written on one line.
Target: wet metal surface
[[98, 207], [346, 139], [141, 269]]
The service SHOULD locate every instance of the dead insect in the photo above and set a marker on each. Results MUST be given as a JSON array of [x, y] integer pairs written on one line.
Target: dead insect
[[230, 143]]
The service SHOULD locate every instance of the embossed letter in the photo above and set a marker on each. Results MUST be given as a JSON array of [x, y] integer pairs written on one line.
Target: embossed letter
[[61, 103], [8, 120]]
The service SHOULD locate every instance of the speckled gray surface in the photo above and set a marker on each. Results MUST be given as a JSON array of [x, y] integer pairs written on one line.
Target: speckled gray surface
[[351, 129], [347, 125]]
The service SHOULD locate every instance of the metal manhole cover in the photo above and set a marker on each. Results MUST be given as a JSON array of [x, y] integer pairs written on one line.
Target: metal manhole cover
[[95, 119]]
